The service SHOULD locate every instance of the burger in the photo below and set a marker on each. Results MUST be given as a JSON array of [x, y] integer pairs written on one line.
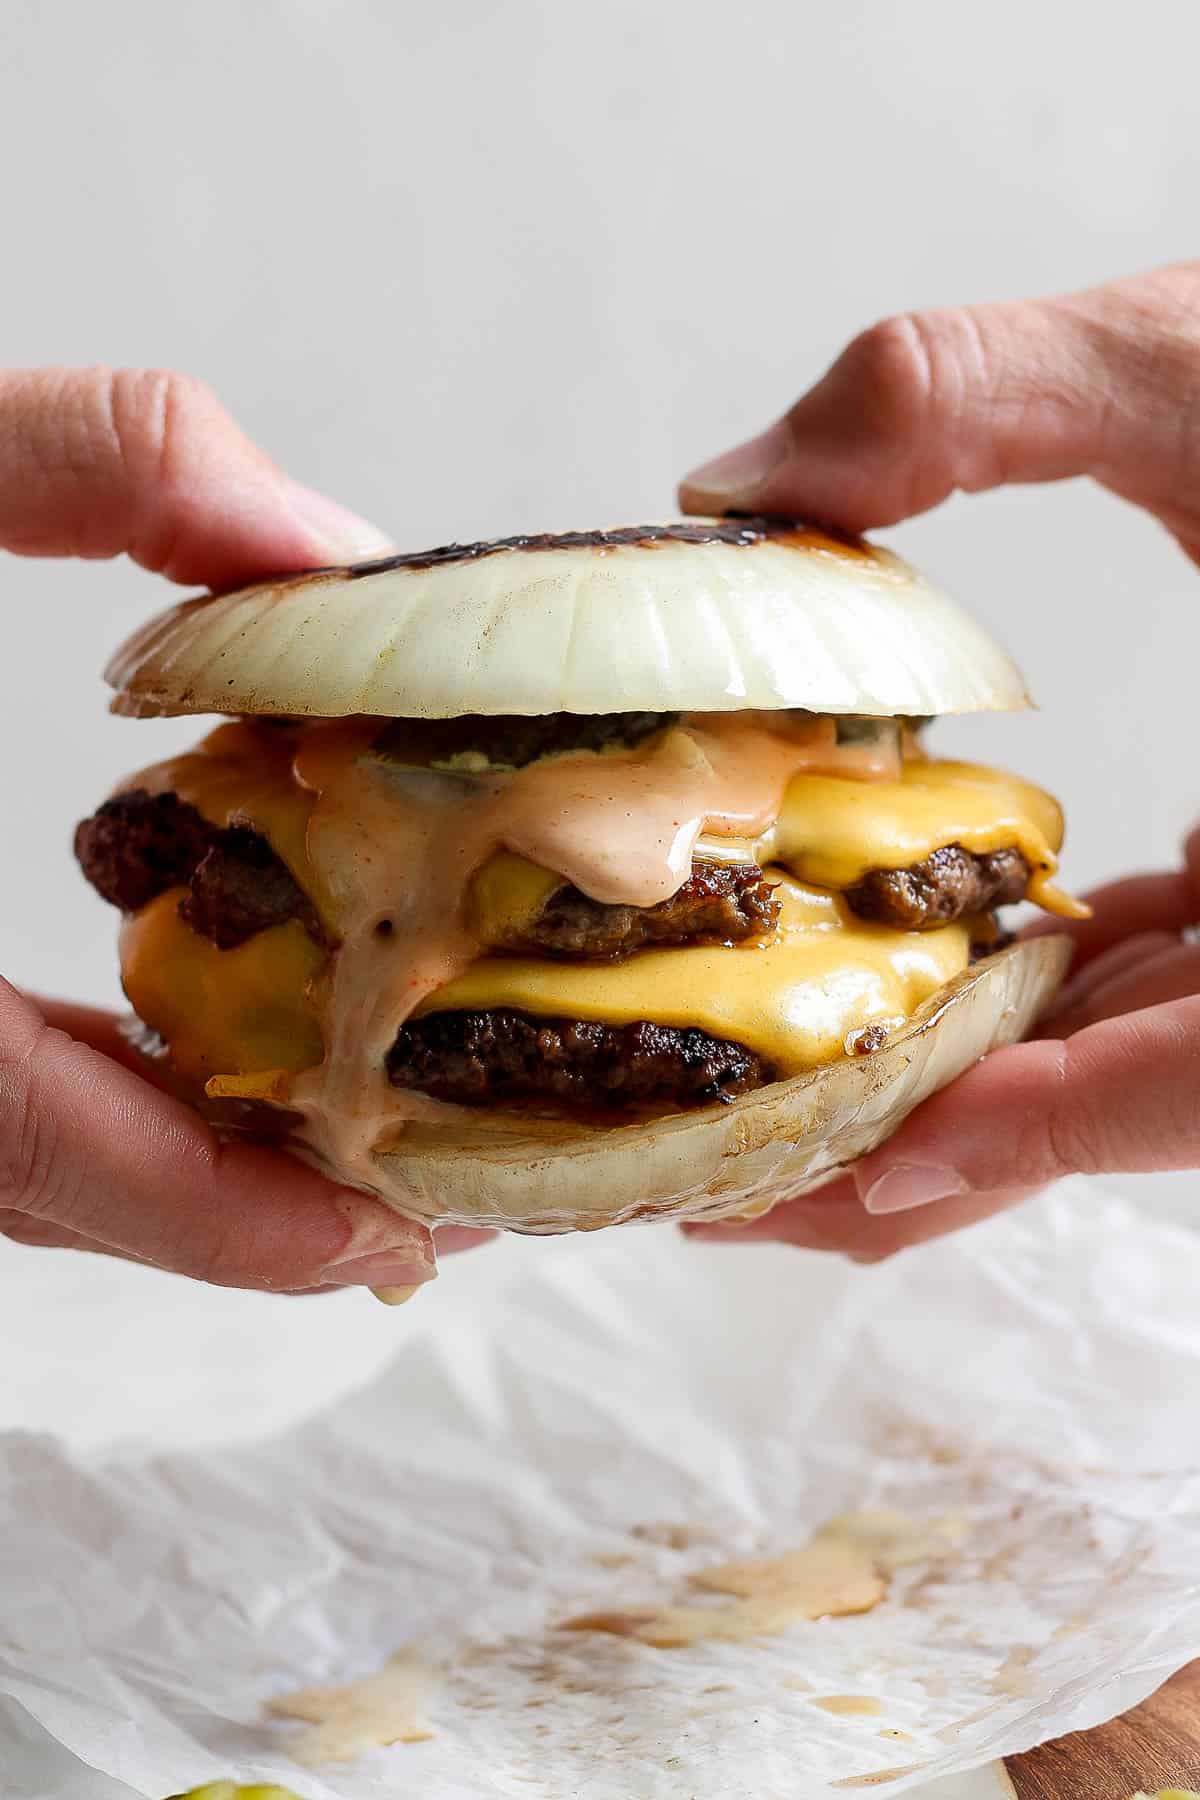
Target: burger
[[556, 881]]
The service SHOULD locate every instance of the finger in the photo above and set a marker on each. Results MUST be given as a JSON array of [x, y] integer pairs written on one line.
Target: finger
[[37, 1234], [103, 1032], [93, 1150], [971, 398], [450, 1239], [96, 462], [43, 1234], [833, 1219], [1169, 971], [1126, 954], [1128, 908], [1117, 1097], [1166, 901], [818, 1220], [101, 1029]]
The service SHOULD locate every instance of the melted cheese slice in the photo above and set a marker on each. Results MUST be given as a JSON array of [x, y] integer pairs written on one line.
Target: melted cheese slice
[[506, 894], [794, 998], [223, 1012], [830, 831], [242, 776]]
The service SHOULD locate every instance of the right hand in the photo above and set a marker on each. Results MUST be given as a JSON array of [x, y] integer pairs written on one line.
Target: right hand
[[1106, 384]]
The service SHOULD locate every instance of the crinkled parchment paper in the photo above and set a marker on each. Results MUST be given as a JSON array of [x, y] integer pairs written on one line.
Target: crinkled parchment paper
[[634, 1411]]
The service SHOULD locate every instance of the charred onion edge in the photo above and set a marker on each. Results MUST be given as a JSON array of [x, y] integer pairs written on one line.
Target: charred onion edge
[[697, 616]]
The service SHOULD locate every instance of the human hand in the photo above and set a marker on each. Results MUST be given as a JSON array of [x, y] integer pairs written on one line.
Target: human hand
[[1106, 384], [92, 1156]]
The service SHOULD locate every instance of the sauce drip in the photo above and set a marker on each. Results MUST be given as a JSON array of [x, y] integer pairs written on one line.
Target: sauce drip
[[393, 849]]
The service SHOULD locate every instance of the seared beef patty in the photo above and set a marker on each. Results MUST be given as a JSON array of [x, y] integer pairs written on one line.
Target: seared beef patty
[[487, 1058], [138, 845], [716, 904], [240, 887], [948, 885]]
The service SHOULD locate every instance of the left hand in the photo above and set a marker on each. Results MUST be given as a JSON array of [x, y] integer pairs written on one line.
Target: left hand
[[94, 1157]]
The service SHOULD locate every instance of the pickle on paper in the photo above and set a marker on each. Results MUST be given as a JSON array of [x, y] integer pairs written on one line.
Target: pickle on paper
[[229, 1790]]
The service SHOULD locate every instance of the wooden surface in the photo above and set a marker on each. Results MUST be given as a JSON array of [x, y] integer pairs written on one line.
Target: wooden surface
[[1155, 1746]]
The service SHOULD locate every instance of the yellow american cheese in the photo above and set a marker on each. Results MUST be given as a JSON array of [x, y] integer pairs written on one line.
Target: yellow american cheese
[[793, 998], [505, 894], [831, 831], [223, 1012], [242, 776]]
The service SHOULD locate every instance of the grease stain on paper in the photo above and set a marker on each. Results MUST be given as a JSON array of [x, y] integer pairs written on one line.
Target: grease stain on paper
[[385, 1708], [877, 1777], [1012, 1680], [672, 1536], [864, 1705], [766, 1595], [845, 1568]]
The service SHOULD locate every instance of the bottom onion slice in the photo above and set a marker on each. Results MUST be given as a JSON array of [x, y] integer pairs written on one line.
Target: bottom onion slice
[[542, 1175]]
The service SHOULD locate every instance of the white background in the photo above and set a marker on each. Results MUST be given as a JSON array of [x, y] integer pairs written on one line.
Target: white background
[[476, 266]]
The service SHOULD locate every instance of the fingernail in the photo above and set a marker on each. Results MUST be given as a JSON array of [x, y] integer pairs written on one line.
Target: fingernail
[[911, 1184], [382, 1269], [339, 534], [736, 475]]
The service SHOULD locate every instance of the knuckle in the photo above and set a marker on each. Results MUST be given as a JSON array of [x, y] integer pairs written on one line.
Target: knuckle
[[1139, 344], [1069, 1145], [1145, 324], [1073, 1137], [151, 411], [916, 378], [34, 1175], [159, 423], [895, 363]]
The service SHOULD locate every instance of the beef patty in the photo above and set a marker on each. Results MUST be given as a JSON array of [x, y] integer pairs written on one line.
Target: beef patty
[[718, 903], [138, 845], [487, 1058], [950, 884], [240, 887]]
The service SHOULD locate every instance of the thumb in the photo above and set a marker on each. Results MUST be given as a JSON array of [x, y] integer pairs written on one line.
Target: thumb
[[1102, 383], [1118, 1097], [96, 462], [90, 1151]]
